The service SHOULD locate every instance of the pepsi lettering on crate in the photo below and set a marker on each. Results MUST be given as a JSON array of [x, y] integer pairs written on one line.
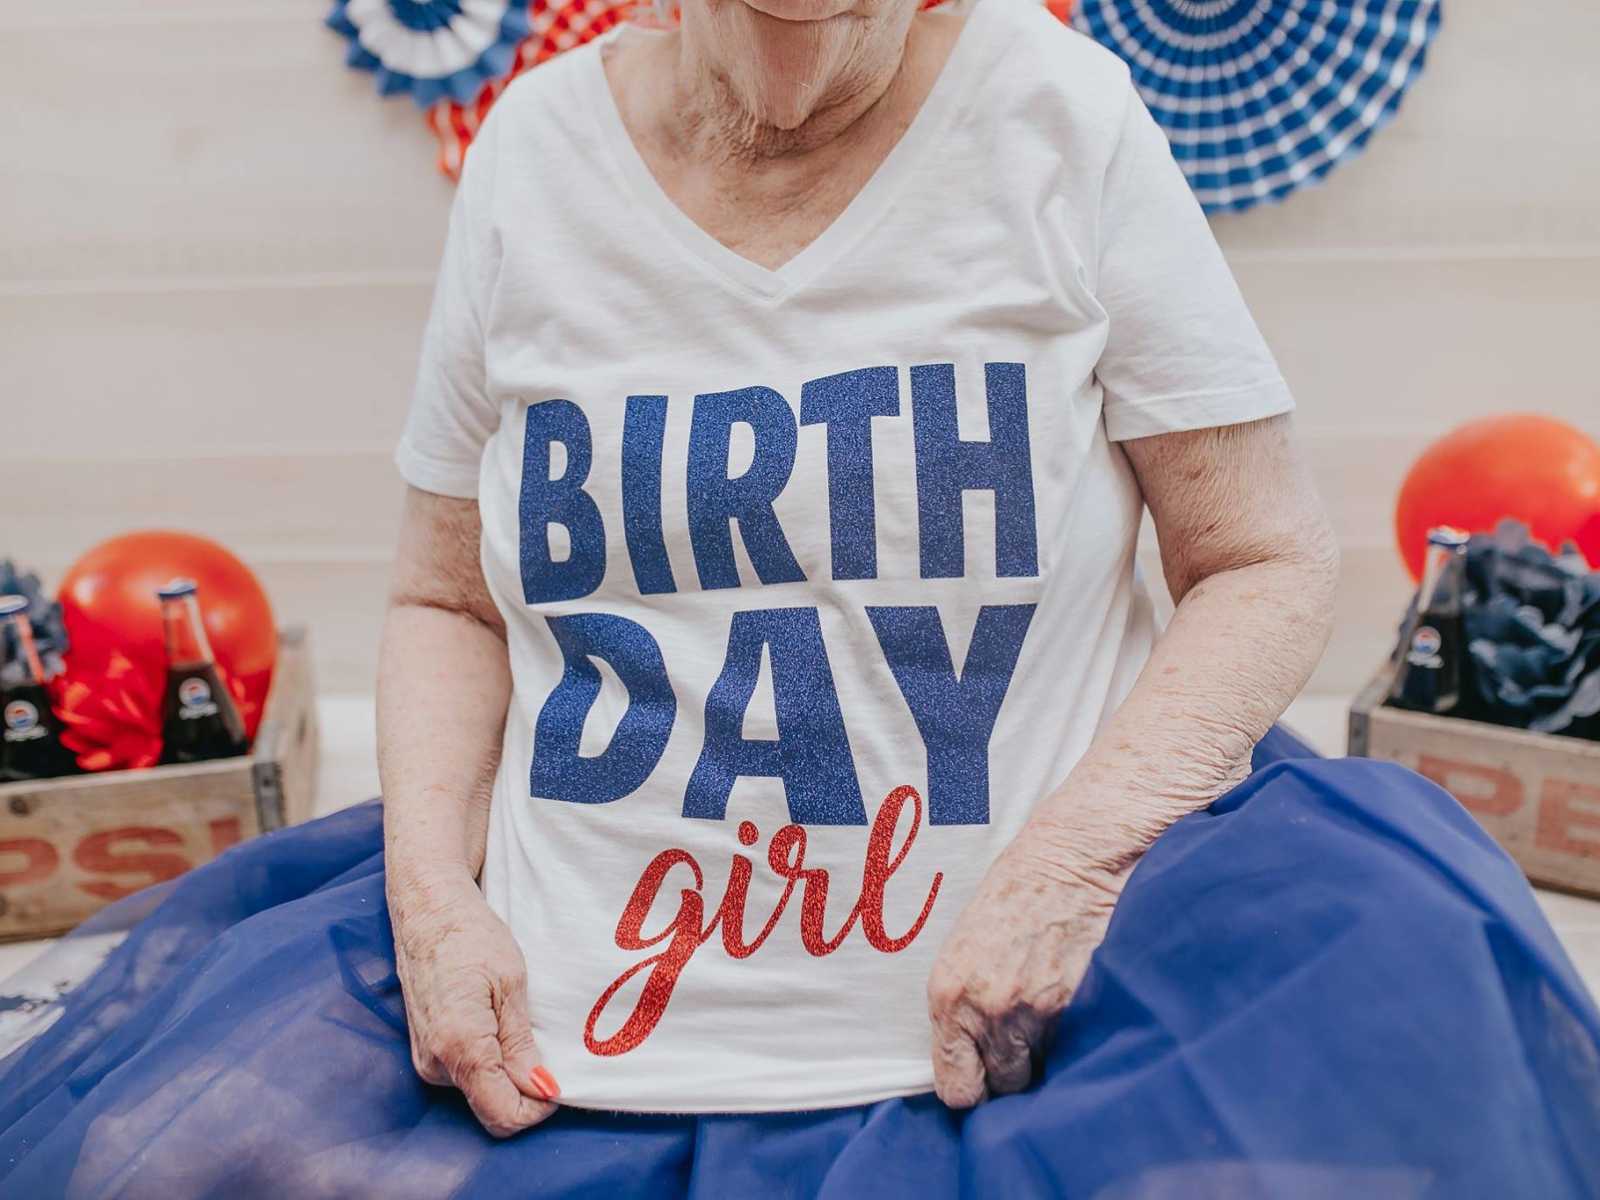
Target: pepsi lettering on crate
[[30, 733], [1428, 675], [199, 720]]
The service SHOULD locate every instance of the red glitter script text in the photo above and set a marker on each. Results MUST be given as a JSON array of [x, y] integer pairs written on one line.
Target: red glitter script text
[[687, 932]]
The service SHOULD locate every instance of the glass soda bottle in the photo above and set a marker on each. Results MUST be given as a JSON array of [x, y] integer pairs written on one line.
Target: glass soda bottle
[[1431, 649], [198, 718], [30, 733]]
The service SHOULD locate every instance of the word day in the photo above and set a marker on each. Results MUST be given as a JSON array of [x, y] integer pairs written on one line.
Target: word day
[[954, 709]]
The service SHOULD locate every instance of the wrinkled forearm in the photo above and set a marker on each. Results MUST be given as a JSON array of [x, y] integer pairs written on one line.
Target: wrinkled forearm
[[443, 688], [1239, 648]]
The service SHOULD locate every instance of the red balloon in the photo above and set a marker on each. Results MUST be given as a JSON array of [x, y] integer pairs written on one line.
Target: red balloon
[[113, 619], [1537, 469]]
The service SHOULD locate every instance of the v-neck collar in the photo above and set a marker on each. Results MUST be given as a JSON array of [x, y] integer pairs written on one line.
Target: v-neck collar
[[868, 204]]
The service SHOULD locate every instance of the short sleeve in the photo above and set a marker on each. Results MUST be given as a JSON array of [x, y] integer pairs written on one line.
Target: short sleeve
[[452, 414], [1182, 351]]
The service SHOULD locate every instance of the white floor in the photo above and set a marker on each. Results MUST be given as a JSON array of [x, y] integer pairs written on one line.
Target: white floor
[[349, 775]]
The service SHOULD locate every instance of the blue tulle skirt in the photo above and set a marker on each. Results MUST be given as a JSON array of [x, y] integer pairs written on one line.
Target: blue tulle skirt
[[1330, 984]]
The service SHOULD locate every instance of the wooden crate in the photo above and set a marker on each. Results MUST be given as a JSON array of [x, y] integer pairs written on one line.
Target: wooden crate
[[70, 846], [1537, 794]]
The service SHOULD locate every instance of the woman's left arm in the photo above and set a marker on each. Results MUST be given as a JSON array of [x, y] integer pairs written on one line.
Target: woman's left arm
[[1252, 563]]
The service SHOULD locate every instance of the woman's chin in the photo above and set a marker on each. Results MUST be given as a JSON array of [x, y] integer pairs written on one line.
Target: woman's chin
[[800, 12]]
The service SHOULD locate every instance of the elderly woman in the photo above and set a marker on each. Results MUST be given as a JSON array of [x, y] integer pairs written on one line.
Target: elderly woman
[[773, 719]]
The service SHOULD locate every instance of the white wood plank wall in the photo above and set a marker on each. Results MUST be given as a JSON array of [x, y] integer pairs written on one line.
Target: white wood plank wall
[[216, 247]]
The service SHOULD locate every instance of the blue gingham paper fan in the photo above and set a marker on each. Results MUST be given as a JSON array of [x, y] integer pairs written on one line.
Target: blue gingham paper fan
[[432, 50], [1259, 97]]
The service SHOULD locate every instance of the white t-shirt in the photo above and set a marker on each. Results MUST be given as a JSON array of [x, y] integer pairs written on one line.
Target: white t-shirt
[[815, 579]]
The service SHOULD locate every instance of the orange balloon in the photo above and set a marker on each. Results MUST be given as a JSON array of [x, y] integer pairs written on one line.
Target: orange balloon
[[108, 601], [1537, 469]]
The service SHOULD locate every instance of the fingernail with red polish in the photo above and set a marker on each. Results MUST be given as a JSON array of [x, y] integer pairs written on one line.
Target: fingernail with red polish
[[545, 1084]]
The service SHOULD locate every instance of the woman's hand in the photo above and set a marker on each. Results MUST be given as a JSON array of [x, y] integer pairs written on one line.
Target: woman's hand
[[1010, 966], [466, 994]]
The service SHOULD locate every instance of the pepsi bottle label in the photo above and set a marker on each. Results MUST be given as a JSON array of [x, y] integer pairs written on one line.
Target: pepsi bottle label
[[22, 723], [30, 736], [1426, 643], [1429, 678], [200, 720], [194, 699]]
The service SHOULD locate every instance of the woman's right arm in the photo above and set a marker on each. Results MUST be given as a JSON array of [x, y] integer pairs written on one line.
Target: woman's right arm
[[444, 683]]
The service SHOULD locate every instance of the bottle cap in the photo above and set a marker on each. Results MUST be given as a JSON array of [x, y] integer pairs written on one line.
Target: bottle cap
[[12, 604], [1448, 536], [176, 589]]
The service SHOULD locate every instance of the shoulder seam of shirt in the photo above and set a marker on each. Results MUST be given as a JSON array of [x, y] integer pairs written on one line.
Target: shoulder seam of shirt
[[1204, 393]]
